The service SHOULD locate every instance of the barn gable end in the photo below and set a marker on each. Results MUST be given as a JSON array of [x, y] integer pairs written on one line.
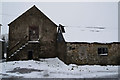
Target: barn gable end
[[31, 33]]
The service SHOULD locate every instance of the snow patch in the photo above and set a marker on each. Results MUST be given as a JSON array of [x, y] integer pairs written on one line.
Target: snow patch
[[54, 68]]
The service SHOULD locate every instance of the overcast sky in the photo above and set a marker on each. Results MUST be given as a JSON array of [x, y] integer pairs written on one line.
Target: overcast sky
[[84, 21]]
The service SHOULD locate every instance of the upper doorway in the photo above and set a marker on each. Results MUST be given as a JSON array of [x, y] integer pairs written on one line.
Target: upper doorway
[[33, 33]]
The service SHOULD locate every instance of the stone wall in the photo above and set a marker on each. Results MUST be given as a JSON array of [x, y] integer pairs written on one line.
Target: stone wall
[[87, 53], [61, 50]]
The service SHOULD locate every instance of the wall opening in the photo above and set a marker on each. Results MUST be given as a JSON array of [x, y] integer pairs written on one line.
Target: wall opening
[[103, 51], [33, 33], [30, 55]]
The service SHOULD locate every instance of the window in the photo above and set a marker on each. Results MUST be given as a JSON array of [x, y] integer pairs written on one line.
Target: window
[[102, 51]]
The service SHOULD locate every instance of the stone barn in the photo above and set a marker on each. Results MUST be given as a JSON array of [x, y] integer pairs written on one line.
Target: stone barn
[[32, 36]]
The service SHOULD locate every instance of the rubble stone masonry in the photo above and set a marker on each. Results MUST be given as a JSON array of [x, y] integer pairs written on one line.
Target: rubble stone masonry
[[87, 53]]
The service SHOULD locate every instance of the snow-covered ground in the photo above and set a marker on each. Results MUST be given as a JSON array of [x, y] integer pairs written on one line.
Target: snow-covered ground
[[53, 68]]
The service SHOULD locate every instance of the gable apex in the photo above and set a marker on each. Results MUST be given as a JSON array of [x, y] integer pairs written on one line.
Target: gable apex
[[31, 10], [34, 7]]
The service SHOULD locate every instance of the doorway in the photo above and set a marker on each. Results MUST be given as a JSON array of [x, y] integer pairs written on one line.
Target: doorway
[[30, 55], [33, 33]]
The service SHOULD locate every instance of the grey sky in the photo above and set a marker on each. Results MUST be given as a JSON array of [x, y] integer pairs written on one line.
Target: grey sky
[[76, 16]]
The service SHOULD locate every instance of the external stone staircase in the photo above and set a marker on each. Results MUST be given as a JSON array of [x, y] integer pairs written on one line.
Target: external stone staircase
[[21, 48], [18, 50]]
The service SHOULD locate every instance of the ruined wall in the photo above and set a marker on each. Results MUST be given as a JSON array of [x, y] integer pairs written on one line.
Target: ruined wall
[[87, 53]]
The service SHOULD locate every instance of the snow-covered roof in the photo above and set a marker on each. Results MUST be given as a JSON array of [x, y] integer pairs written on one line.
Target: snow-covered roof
[[78, 34]]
